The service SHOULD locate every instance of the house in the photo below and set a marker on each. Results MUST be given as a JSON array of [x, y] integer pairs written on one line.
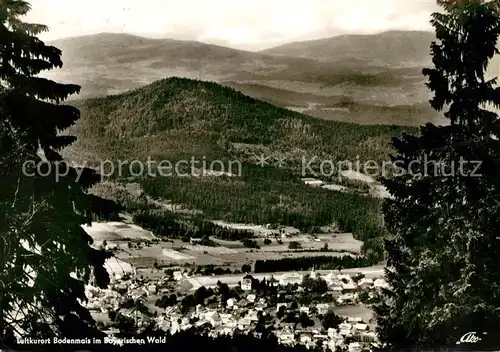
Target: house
[[347, 298], [320, 337], [349, 287], [305, 338], [322, 308], [251, 298], [279, 305], [246, 284], [228, 330], [175, 327], [199, 308], [360, 327], [244, 323], [304, 309], [365, 283], [231, 323], [345, 329], [178, 275], [331, 332], [111, 331], [380, 283], [290, 279], [175, 317], [193, 240], [286, 336], [330, 277], [344, 278], [213, 318], [312, 182], [186, 326], [368, 336], [152, 289], [200, 323], [163, 325], [253, 315], [333, 345], [336, 291], [231, 302], [354, 320], [225, 318], [354, 347]]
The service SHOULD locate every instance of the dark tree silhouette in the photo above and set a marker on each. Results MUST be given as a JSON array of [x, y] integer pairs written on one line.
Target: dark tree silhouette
[[41, 240], [331, 320], [443, 252], [246, 268]]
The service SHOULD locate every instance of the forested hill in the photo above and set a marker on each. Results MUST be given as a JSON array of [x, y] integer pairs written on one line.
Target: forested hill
[[180, 117]]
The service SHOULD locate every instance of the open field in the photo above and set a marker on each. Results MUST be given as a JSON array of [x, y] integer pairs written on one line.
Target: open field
[[117, 231], [179, 253], [133, 244], [361, 311]]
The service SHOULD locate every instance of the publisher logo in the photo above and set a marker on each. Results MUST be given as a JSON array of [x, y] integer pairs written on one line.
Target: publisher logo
[[469, 337]]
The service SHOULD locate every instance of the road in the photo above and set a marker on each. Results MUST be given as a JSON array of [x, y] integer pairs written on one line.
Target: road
[[232, 280]]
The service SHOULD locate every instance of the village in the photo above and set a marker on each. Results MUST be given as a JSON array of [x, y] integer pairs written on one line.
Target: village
[[308, 309]]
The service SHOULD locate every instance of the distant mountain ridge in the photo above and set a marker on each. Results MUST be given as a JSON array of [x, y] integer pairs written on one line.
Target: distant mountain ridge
[[394, 48], [368, 69]]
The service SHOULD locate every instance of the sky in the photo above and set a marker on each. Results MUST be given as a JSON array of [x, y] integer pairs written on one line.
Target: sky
[[242, 24]]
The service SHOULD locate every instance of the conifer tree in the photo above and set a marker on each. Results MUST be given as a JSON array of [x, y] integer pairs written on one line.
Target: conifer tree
[[444, 251], [45, 255]]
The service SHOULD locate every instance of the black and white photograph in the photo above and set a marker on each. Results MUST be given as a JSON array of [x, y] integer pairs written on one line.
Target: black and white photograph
[[249, 175]]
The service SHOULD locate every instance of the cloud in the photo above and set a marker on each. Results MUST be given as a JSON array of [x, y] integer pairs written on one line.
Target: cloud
[[248, 24]]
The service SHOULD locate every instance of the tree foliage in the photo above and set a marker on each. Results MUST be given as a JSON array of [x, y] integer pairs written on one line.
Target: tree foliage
[[443, 252], [322, 262], [41, 241]]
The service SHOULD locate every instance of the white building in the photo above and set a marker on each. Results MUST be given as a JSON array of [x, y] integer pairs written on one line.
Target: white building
[[286, 336], [213, 318], [354, 319], [345, 329], [354, 347], [336, 291], [279, 305], [291, 278], [349, 287], [361, 327], [231, 302], [322, 308], [246, 284], [380, 283]]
